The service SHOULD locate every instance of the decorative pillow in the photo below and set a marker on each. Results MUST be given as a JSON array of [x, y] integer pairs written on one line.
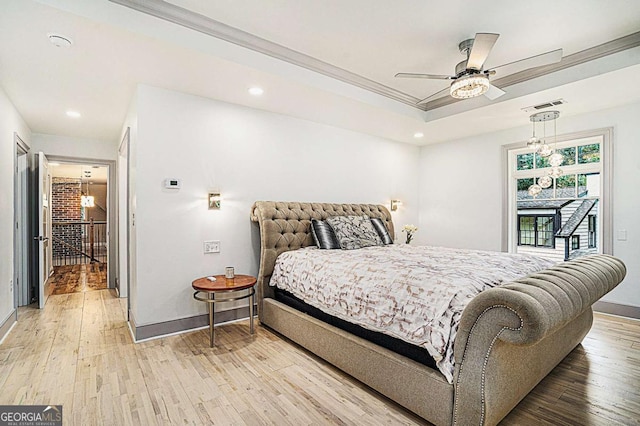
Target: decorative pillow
[[382, 230], [354, 232], [323, 235]]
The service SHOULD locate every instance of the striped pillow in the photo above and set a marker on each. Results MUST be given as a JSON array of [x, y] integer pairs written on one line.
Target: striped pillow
[[382, 230], [323, 235]]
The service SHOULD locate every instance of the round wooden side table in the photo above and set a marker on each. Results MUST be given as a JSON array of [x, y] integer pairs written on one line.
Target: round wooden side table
[[206, 290]]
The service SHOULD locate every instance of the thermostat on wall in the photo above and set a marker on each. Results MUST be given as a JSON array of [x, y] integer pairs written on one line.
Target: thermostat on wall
[[172, 183]]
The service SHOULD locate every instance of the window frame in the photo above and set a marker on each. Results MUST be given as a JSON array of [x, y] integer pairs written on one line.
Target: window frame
[[603, 136], [592, 231], [552, 217], [575, 242]]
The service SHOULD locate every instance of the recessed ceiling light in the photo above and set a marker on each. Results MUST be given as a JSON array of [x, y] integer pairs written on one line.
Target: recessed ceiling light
[[58, 40], [256, 91], [418, 135], [73, 114]]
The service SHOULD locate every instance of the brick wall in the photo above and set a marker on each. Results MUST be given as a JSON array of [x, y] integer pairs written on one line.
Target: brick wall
[[65, 207]]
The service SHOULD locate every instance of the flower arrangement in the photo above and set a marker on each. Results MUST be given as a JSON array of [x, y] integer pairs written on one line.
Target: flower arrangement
[[409, 230]]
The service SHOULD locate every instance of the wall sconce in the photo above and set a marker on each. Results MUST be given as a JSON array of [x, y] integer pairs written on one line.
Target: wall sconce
[[214, 200], [395, 204]]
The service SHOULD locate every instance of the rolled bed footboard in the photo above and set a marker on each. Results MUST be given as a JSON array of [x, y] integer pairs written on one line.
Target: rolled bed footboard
[[510, 337]]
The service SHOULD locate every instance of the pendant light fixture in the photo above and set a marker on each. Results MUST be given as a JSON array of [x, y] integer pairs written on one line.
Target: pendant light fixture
[[86, 200], [543, 149]]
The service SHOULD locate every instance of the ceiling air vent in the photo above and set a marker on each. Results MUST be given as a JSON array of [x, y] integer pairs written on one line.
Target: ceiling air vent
[[544, 105]]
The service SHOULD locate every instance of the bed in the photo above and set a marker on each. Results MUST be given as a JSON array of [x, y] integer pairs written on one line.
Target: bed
[[508, 337]]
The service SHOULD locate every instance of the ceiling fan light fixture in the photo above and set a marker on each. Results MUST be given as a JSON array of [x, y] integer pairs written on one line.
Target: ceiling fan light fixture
[[470, 86]]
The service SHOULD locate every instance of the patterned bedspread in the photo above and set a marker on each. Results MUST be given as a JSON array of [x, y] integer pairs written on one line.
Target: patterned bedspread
[[414, 293]]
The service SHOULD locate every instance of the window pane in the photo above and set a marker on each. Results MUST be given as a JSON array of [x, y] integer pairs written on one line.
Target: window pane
[[523, 185], [545, 231], [526, 235], [569, 155], [525, 161], [542, 162], [589, 185], [566, 186], [575, 242], [589, 153], [592, 231]]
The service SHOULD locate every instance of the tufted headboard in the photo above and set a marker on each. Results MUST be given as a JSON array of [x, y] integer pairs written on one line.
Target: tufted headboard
[[286, 225]]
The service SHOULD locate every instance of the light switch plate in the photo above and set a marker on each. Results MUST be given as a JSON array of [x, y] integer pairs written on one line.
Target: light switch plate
[[212, 246], [622, 235]]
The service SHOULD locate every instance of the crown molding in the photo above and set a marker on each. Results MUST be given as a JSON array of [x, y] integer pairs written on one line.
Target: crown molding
[[195, 21], [189, 19]]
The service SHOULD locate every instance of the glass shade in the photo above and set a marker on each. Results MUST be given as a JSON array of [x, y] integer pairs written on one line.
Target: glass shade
[[555, 172], [87, 201], [470, 87], [545, 181], [545, 150], [556, 159], [534, 190], [534, 143]]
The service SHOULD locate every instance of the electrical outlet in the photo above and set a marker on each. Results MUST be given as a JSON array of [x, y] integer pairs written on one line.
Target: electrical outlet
[[212, 246]]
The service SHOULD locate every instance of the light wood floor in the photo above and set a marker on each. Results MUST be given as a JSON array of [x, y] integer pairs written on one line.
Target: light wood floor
[[78, 352]]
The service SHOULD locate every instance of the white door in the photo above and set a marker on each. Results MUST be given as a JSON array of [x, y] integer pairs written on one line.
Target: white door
[[45, 256]]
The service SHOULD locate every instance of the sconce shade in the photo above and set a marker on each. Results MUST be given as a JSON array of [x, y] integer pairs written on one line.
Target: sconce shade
[[395, 204], [214, 200]]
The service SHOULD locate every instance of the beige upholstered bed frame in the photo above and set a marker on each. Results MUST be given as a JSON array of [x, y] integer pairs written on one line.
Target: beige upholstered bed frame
[[509, 338]]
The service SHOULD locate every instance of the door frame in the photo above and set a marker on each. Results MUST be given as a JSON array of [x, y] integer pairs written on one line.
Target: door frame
[[21, 240], [124, 230], [112, 213]]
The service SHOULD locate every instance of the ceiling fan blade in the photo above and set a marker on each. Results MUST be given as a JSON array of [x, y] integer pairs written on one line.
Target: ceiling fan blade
[[432, 76], [435, 95], [548, 58], [494, 92], [482, 45]]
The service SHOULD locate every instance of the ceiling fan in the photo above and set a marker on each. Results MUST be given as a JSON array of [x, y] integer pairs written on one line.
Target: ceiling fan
[[471, 80]]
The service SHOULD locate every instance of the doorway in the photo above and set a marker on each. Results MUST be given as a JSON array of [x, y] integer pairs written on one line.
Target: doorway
[[79, 227]]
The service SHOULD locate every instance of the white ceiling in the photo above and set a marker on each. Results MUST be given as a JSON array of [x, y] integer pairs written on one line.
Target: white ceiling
[[86, 172], [115, 48], [378, 38]]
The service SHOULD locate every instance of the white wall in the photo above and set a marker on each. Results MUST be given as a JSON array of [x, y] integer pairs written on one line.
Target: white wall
[[248, 155], [461, 190], [10, 122], [64, 146]]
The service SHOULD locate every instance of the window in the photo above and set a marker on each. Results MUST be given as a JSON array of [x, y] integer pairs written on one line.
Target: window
[[575, 242], [532, 223], [592, 231], [536, 231]]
